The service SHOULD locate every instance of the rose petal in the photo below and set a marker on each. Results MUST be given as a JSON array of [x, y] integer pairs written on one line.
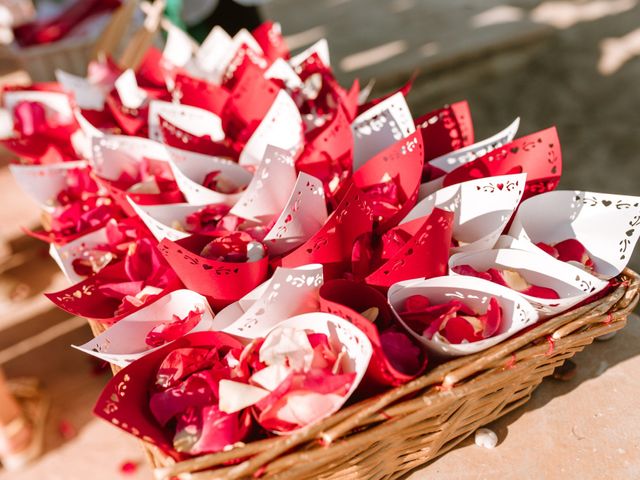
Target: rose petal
[[235, 396], [289, 347], [493, 319], [270, 377], [303, 408], [572, 250], [207, 219], [403, 354], [195, 391], [181, 362], [228, 247], [508, 278], [462, 329], [209, 430], [128, 467], [170, 331]]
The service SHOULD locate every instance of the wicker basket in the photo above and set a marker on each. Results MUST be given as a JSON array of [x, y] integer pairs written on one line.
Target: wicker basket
[[386, 436], [73, 54]]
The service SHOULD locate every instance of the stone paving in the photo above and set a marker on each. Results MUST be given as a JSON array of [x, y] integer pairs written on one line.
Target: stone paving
[[389, 39], [597, 116], [507, 60]]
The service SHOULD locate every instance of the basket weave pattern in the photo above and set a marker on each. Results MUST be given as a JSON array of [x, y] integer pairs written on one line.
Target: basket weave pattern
[[386, 436]]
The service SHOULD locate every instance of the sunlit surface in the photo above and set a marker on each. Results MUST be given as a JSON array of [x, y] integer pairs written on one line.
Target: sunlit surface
[[498, 15], [615, 52], [372, 56], [566, 14], [397, 6], [307, 37], [429, 49]]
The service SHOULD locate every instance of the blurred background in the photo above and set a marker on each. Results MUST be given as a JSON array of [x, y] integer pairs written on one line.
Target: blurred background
[[570, 63]]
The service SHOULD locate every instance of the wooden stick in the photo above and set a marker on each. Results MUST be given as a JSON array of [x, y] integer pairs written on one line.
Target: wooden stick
[[143, 38], [115, 30]]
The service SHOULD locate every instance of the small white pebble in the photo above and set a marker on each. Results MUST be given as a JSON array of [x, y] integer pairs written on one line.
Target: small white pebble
[[486, 438], [606, 336], [255, 251]]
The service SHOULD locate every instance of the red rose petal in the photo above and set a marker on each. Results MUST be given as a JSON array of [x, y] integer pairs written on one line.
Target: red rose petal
[[67, 430], [167, 332], [128, 467]]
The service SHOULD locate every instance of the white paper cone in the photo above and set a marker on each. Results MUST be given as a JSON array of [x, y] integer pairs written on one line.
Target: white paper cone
[[476, 293], [87, 95], [179, 47], [212, 48], [130, 94], [161, 219], [125, 341], [191, 168], [54, 101], [216, 59], [607, 225], [482, 208], [43, 183], [64, 255], [380, 127], [113, 154], [270, 187], [193, 120], [321, 47], [343, 336], [302, 217], [452, 160], [291, 291], [571, 283], [281, 127]]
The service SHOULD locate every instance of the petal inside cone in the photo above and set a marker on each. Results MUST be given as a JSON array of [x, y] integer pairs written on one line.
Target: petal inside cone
[[234, 396]]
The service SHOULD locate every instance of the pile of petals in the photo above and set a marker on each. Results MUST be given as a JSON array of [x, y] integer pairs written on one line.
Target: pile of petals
[[80, 217], [121, 241], [172, 330], [570, 250], [210, 168], [142, 277], [185, 398], [215, 181], [296, 378], [41, 134], [508, 278], [454, 321]]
